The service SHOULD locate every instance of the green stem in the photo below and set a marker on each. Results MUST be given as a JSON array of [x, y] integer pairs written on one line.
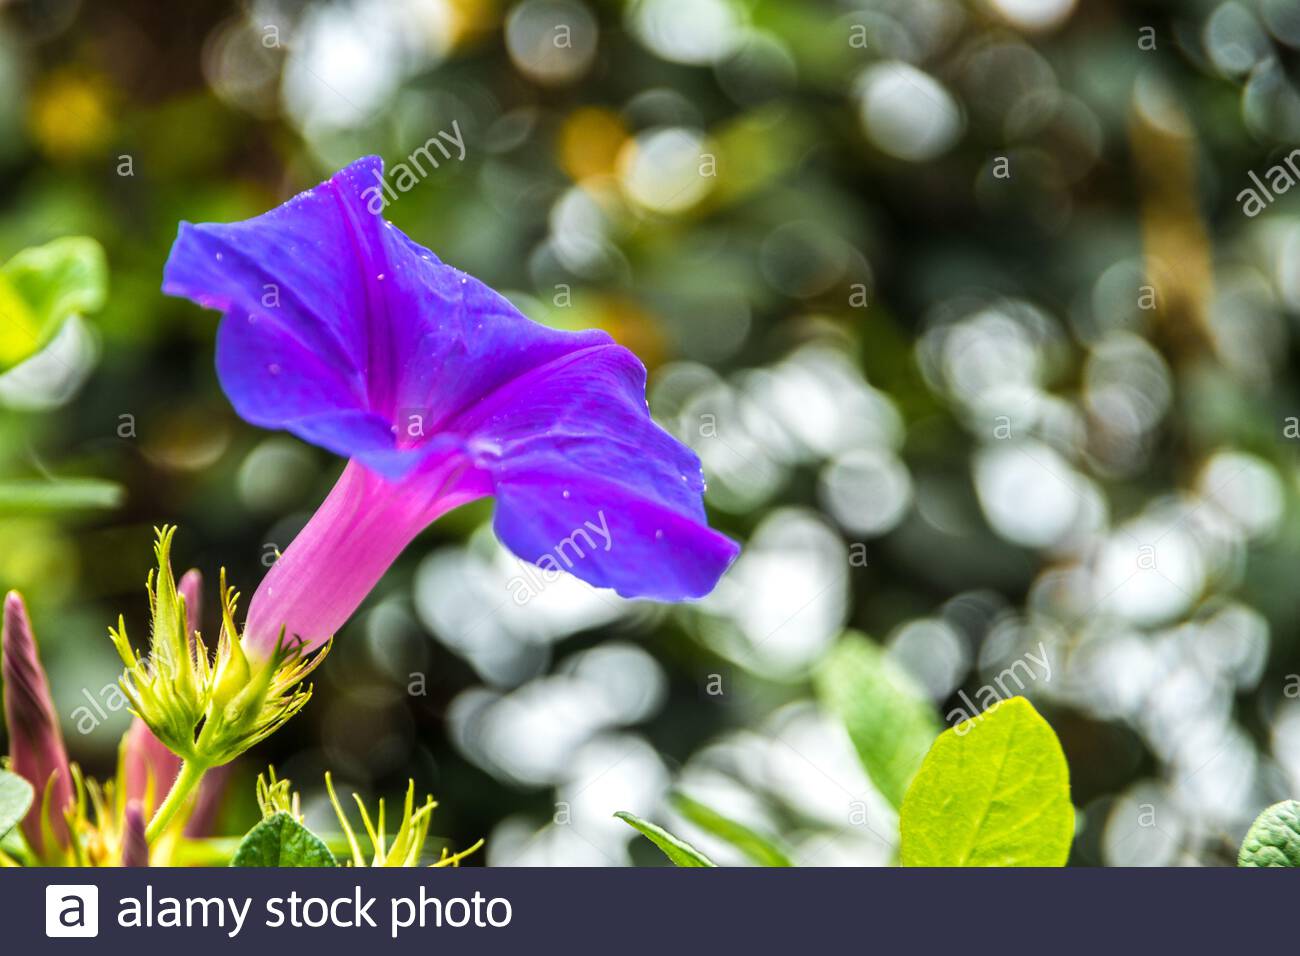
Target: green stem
[[190, 774]]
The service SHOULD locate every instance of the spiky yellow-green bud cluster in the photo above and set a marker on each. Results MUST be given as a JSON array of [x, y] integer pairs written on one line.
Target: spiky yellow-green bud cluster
[[277, 796], [207, 708], [404, 849]]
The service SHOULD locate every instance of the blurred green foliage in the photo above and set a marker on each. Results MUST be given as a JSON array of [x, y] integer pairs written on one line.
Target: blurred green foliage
[[956, 300]]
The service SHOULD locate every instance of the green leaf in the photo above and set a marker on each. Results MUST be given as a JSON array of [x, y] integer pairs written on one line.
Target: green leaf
[[993, 791], [42, 287], [280, 840], [16, 798], [888, 716], [678, 851], [20, 497], [757, 847], [1274, 838]]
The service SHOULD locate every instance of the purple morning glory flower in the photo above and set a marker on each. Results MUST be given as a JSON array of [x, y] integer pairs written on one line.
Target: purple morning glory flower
[[340, 329]]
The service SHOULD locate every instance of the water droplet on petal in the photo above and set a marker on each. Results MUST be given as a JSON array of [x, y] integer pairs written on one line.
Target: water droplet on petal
[[218, 257], [566, 492], [659, 534], [273, 369], [380, 277]]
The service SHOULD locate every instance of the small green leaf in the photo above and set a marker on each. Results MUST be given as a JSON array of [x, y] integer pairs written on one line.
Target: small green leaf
[[34, 497], [993, 791], [15, 800], [280, 840], [1274, 838], [678, 851], [757, 847], [42, 287], [888, 716]]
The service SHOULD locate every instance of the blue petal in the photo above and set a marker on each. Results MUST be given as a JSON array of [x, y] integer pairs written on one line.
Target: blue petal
[[583, 475], [342, 330]]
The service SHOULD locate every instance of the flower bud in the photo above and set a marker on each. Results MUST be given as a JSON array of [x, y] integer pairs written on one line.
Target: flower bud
[[148, 767], [135, 848], [36, 750]]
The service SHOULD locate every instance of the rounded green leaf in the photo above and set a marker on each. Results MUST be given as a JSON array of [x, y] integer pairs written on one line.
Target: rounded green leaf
[[993, 791], [1274, 838], [42, 287], [280, 840], [15, 800], [888, 716]]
